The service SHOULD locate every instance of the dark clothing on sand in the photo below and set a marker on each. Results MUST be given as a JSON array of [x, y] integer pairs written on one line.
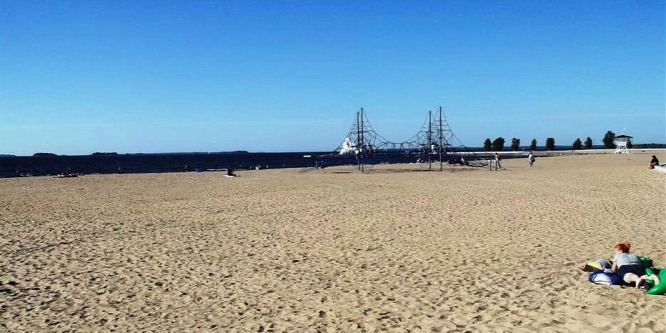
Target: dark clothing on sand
[[636, 269]]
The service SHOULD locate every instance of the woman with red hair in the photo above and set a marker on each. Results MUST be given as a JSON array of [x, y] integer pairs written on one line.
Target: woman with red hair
[[627, 265]]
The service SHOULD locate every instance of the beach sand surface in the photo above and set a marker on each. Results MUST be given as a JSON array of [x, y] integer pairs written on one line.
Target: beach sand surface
[[334, 250]]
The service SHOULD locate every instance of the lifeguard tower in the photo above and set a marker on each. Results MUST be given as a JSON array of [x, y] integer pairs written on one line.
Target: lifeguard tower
[[621, 142]]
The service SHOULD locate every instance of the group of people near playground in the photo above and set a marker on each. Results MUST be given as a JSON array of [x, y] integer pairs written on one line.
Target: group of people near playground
[[627, 268], [498, 159]]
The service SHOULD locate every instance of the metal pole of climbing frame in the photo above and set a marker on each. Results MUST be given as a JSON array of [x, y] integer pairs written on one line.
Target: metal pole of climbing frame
[[440, 139], [429, 150], [362, 142], [358, 139]]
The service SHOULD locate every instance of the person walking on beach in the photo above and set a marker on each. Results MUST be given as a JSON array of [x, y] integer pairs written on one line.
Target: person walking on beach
[[530, 159], [498, 165]]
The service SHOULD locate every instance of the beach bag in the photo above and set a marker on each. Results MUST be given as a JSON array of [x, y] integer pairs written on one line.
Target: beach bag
[[598, 264], [604, 277], [605, 264], [646, 261]]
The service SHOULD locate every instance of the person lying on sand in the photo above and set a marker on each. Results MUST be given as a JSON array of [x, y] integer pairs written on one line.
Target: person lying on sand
[[628, 266]]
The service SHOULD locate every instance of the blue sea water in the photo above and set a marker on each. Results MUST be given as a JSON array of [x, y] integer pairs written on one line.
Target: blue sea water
[[11, 166]]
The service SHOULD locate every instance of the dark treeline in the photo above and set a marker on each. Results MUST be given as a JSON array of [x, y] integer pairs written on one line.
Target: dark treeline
[[578, 144]]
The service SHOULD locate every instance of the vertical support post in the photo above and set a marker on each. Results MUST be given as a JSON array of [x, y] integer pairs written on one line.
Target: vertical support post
[[440, 139], [429, 150], [358, 138], [362, 142]]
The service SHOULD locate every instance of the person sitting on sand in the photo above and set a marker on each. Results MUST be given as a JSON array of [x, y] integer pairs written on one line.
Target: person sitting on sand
[[628, 266], [654, 162], [230, 172], [67, 174]]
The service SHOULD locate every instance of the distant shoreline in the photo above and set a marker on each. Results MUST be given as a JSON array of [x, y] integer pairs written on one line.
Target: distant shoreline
[[18, 167], [473, 150]]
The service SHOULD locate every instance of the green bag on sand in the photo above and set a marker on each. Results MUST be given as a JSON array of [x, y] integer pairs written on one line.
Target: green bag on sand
[[648, 281], [647, 262], [659, 289]]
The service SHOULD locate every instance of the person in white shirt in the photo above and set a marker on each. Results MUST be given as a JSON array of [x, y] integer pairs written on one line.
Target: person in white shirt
[[497, 161], [530, 159]]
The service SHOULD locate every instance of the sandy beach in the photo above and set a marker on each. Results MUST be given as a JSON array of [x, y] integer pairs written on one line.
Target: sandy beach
[[334, 250]]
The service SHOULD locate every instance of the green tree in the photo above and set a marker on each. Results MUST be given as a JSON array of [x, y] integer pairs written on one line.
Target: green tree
[[487, 144], [515, 143], [550, 143], [588, 143], [498, 144], [577, 144], [533, 146], [608, 140]]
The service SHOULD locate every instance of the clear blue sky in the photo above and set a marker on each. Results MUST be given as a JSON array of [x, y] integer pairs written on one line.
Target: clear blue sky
[[158, 76]]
